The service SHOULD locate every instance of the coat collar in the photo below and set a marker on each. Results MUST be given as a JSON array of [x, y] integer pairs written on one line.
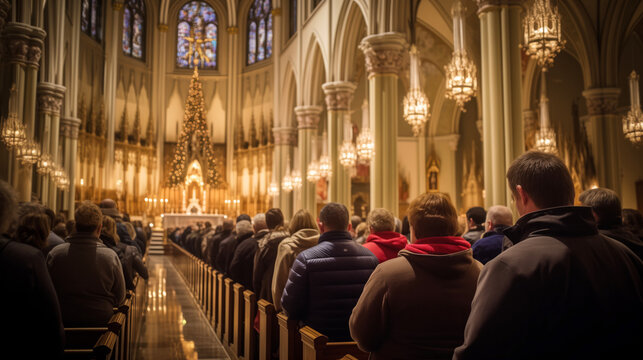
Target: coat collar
[[572, 221], [335, 235]]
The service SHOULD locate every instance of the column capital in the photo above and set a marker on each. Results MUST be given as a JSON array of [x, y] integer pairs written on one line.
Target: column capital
[[69, 127], [117, 5], [23, 44], [308, 116], [232, 29], [285, 135], [451, 139], [385, 53], [339, 94], [162, 27], [50, 97], [601, 101], [487, 5]]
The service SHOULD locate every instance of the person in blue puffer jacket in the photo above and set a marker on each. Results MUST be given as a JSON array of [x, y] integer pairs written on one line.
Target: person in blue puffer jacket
[[326, 280]]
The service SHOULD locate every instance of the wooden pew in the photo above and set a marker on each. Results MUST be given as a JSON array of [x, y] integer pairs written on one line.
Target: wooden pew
[[106, 345], [249, 333], [220, 306], [80, 342], [229, 313], [267, 330], [290, 346], [317, 347], [238, 328], [212, 301]]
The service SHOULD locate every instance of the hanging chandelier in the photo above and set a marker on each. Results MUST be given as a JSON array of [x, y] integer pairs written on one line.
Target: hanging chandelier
[[633, 120], [44, 164], [545, 137], [543, 34], [296, 179], [461, 81], [13, 132], [286, 182], [273, 189], [347, 151], [365, 145], [59, 176], [29, 153], [416, 104], [313, 172], [325, 167]]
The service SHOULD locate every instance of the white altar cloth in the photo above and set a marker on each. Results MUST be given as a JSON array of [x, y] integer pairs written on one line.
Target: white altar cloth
[[181, 220]]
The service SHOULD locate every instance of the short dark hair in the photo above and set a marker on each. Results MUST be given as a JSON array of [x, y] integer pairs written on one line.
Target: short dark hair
[[334, 216], [478, 214], [33, 229], [88, 217], [274, 218], [243, 217], [433, 214], [355, 220], [605, 203], [544, 177]]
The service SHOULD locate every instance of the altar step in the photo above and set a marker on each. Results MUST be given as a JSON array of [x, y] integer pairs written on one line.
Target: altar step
[[156, 243]]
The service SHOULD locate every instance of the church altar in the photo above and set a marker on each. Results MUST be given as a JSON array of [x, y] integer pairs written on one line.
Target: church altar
[[181, 220]]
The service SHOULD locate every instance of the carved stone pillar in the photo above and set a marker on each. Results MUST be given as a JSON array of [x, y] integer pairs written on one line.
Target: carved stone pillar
[[500, 36], [112, 42], [385, 56], [603, 131], [285, 140], [50, 99], [69, 132], [446, 147], [307, 120], [338, 101]]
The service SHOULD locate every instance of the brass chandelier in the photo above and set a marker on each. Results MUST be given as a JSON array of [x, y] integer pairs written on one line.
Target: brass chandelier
[[364, 144], [543, 34], [461, 81], [545, 137], [633, 120]]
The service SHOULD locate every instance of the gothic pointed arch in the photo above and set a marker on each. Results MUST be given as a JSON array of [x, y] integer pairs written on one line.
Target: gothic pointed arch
[[259, 31], [197, 36], [134, 22]]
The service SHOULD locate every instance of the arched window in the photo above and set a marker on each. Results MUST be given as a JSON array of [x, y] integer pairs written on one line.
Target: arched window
[[134, 29], [259, 31], [197, 32], [91, 18]]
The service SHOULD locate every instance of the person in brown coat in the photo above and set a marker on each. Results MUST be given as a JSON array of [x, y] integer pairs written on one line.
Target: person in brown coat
[[416, 305], [264, 261]]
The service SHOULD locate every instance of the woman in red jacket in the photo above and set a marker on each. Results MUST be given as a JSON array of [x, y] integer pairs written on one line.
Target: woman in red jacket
[[383, 241]]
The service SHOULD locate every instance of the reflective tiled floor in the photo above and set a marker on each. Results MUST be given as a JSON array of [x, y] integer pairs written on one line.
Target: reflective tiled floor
[[174, 328]]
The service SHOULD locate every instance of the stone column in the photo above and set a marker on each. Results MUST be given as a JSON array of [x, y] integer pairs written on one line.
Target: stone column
[[50, 99], [603, 130], [285, 140], [500, 32], [338, 100], [385, 56], [69, 132], [446, 147], [113, 30], [233, 106], [159, 109], [307, 120]]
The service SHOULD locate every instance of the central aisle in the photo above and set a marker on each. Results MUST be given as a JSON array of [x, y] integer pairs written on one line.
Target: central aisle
[[174, 328]]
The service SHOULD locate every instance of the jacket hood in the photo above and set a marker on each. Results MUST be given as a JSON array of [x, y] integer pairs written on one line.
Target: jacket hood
[[564, 221], [457, 262], [438, 245], [389, 239], [305, 237]]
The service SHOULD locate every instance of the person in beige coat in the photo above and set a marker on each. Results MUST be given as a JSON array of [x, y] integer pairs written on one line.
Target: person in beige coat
[[304, 235], [416, 306]]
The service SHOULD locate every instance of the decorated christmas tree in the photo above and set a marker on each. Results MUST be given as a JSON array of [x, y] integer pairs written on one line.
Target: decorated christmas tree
[[194, 142]]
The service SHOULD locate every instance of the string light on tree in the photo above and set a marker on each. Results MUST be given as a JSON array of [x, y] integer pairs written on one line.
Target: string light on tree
[[543, 34], [633, 120]]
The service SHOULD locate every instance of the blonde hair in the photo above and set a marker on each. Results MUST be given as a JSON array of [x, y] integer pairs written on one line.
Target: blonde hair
[[130, 230], [362, 230], [301, 220], [380, 220], [109, 228], [432, 214]]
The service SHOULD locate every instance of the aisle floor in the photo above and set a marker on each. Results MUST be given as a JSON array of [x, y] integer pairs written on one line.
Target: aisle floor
[[175, 327]]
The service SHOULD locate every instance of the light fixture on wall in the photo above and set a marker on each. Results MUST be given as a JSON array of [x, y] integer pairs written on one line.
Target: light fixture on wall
[[365, 145], [543, 34], [461, 81], [347, 151], [633, 120], [545, 137], [312, 175], [325, 167]]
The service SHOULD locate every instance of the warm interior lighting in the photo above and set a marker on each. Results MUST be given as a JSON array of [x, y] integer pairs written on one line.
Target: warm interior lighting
[[416, 104], [633, 120], [543, 34], [461, 80]]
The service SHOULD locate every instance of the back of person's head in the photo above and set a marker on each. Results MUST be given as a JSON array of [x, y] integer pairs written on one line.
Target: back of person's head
[[380, 219], [108, 208], [301, 220], [208, 225], [544, 177], [61, 230], [274, 218], [605, 204], [51, 215], [355, 220], [259, 222], [243, 217], [109, 228], [8, 205], [334, 216], [218, 229], [398, 225], [60, 218], [228, 225], [406, 228], [477, 214], [88, 217], [633, 220], [130, 230], [362, 230], [33, 229], [432, 214], [126, 217], [500, 215], [244, 227], [70, 225]]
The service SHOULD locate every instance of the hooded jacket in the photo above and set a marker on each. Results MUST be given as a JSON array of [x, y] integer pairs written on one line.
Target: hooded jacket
[[562, 291], [264, 264], [385, 244], [416, 305], [622, 235], [288, 250]]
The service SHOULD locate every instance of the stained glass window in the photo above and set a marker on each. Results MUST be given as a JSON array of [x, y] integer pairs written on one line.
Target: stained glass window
[[134, 29], [91, 18], [259, 31], [197, 36]]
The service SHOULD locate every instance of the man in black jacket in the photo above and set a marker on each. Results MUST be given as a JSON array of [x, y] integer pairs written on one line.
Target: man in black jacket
[[606, 207], [213, 252], [563, 290], [229, 245], [242, 262]]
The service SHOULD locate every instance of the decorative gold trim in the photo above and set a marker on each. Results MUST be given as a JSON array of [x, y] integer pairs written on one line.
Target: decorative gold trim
[[232, 29], [276, 11], [163, 27], [117, 6]]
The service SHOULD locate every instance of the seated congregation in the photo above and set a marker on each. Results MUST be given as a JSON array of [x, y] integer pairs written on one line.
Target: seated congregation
[[562, 281]]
